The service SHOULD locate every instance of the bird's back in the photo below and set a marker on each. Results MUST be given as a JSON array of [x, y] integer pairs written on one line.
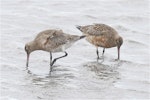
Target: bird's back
[[100, 35], [42, 37], [56, 41], [60, 42], [99, 29], [47, 33]]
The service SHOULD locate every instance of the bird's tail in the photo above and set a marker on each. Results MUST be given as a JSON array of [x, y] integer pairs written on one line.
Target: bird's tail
[[78, 27], [83, 36]]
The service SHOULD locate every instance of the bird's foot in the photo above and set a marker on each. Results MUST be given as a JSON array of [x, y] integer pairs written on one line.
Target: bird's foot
[[51, 68], [115, 60], [100, 58]]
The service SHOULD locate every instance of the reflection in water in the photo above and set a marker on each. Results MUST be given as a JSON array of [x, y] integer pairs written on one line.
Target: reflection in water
[[62, 75], [90, 77], [52, 79], [104, 71]]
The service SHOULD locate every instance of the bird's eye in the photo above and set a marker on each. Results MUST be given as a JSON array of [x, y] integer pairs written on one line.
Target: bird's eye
[[26, 48], [117, 41]]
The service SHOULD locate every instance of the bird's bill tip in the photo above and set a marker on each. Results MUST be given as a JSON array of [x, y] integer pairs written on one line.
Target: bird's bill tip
[[27, 62]]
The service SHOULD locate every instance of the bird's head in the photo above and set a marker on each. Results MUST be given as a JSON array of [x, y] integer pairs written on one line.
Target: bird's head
[[120, 41], [28, 49]]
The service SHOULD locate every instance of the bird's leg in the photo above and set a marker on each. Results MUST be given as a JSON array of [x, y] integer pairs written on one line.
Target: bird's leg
[[50, 61], [58, 58], [103, 52], [50, 57], [97, 53]]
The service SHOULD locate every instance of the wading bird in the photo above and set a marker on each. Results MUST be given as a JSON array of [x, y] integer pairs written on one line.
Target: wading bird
[[51, 41], [102, 35]]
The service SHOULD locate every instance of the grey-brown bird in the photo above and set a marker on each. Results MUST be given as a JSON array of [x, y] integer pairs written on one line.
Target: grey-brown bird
[[102, 35], [51, 41]]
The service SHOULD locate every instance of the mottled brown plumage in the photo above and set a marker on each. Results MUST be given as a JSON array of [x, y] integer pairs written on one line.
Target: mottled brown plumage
[[51, 41], [102, 35]]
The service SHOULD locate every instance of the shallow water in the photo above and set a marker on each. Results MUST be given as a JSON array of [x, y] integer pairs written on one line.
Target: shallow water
[[78, 76]]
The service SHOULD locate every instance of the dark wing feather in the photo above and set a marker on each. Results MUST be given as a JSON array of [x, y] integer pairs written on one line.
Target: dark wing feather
[[59, 39]]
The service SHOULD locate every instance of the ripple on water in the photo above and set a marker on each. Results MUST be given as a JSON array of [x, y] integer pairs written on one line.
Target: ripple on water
[[58, 77], [104, 72]]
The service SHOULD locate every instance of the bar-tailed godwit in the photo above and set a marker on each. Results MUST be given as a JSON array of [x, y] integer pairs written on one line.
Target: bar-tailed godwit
[[102, 35], [51, 41]]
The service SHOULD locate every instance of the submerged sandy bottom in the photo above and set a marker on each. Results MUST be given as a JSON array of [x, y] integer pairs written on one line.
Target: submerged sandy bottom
[[78, 76]]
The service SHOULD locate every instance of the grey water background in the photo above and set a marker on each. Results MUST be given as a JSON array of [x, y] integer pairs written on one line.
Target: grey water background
[[78, 76]]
